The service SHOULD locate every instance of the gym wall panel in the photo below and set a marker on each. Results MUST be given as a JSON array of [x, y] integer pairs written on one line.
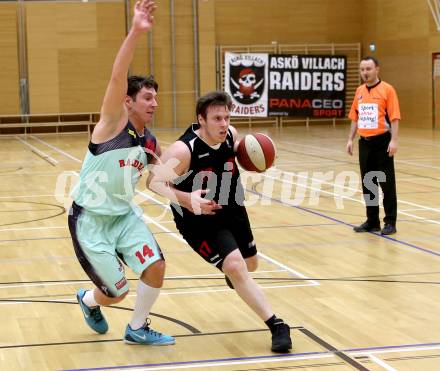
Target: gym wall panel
[[259, 22], [162, 64], [406, 64], [71, 48], [141, 64], [9, 70], [402, 19], [77, 46], [207, 43], [287, 21], [77, 78], [343, 21], [141, 61], [42, 46], [110, 19], [405, 36], [185, 79]]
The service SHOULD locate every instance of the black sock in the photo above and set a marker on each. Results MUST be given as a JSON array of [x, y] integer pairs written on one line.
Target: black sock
[[272, 322]]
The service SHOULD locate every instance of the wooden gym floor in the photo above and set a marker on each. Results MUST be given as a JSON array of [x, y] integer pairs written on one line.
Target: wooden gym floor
[[353, 301]]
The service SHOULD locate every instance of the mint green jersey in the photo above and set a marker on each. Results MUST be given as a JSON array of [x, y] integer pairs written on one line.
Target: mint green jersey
[[111, 171]]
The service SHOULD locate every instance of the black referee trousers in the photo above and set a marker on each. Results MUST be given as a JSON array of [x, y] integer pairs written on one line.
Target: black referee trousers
[[378, 168]]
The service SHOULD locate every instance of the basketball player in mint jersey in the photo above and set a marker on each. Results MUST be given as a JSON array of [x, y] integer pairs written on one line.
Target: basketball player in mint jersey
[[204, 178], [105, 226]]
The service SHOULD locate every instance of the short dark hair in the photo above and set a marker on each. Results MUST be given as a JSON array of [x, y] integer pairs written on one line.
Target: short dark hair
[[214, 98], [136, 83], [370, 58]]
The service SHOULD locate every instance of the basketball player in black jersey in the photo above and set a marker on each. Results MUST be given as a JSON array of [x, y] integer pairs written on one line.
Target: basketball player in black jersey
[[201, 178]]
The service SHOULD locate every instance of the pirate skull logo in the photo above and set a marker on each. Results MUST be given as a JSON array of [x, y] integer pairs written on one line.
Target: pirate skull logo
[[247, 84]]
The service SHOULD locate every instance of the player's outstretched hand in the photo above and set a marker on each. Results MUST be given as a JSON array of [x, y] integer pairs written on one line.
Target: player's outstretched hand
[[143, 18]]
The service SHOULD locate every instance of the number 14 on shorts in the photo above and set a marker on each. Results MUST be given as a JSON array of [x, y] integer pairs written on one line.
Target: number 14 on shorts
[[146, 251]]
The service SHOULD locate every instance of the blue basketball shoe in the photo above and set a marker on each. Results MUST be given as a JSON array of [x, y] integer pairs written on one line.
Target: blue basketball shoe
[[93, 316], [146, 336]]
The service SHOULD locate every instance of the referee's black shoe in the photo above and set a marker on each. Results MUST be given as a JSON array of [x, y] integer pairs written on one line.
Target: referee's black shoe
[[281, 341], [367, 227], [388, 229]]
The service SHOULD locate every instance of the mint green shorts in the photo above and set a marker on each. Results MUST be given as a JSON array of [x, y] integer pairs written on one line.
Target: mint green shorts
[[101, 242]]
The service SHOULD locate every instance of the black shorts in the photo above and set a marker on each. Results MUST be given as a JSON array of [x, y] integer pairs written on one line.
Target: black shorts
[[214, 237]]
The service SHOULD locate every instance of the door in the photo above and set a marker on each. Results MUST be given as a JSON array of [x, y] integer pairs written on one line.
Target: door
[[436, 90]]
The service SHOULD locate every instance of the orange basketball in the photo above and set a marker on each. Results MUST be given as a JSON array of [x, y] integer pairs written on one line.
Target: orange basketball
[[256, 152]]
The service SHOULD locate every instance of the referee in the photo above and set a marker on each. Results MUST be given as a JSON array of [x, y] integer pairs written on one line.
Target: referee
[[375, 116]]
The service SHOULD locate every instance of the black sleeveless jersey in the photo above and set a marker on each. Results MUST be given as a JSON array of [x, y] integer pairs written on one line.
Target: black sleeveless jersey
[[213, 169]]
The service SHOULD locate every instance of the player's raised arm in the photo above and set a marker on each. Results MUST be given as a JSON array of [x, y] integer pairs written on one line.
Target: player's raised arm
[[113, 111]]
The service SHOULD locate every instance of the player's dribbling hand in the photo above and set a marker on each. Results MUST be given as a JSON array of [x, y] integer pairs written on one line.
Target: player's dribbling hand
[[143, 19], [200, 205]]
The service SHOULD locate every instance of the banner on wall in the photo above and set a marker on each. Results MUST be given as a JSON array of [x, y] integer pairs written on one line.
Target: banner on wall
[[264, 85], [246, 82]]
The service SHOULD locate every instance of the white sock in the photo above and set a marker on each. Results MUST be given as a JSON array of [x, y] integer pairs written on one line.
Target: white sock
[[89, 299], [146, 296]]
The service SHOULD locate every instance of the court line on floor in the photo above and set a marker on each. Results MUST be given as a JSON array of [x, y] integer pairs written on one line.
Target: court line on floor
[[170, 222], [418, 209], [348, 224], [423, 142], [56, 149], [344, 162], [271, 358], [340, 354], [344, 187], [27, 196], [72, 282], [163, 293], [361, 279], [213, 363], [418, 164], [193, 334], [301, 208], [342, 196], [332, 184], [30, 229], [340, 152], [31, 174], [324, 182], [381, 363], [401, 176], [39, 153]]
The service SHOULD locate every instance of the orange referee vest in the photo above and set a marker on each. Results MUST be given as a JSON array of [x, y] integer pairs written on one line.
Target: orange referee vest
[[374, 108]]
